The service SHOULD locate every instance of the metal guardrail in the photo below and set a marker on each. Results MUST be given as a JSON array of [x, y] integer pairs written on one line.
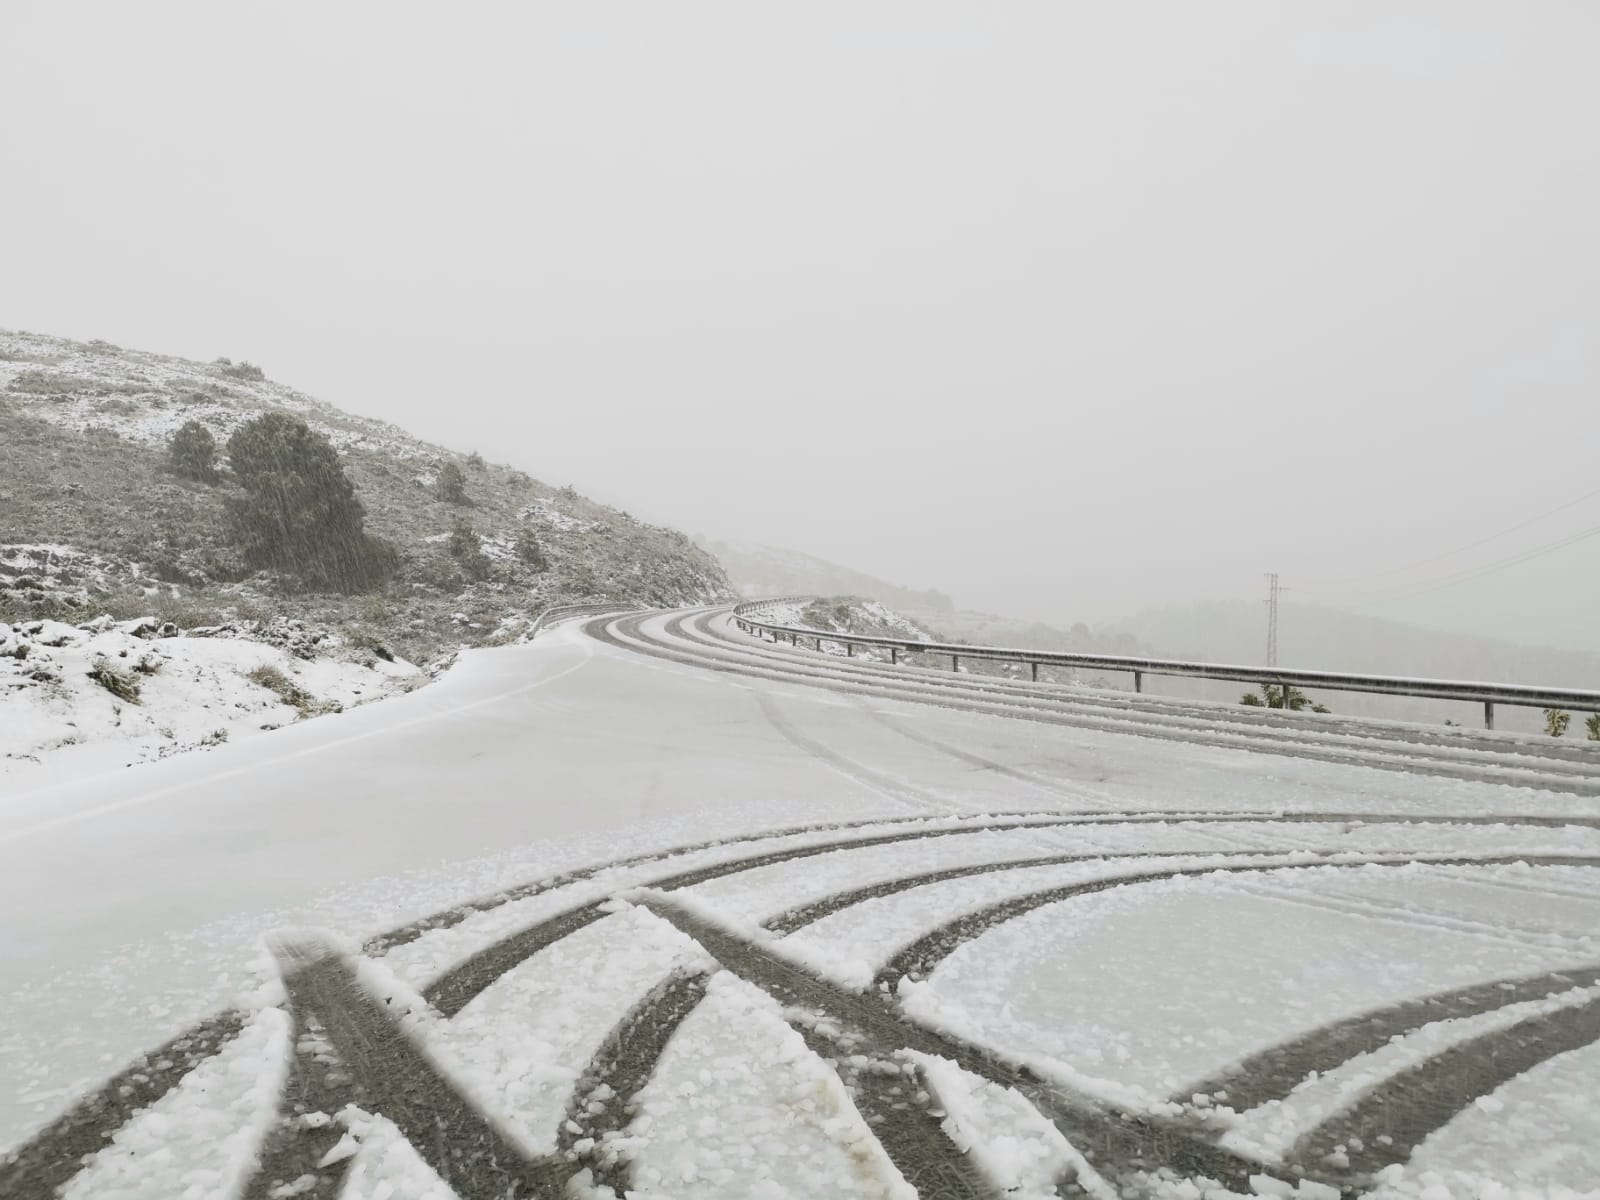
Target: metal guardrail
[[557, 613], [748, 618]]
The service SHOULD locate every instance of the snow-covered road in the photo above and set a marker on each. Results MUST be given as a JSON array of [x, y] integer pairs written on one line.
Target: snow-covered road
[[652, 904]]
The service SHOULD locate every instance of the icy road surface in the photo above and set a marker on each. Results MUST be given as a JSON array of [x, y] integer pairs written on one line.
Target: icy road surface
[[651, 908]]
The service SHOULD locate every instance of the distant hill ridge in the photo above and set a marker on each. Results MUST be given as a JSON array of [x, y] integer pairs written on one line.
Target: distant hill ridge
[[758, 570]]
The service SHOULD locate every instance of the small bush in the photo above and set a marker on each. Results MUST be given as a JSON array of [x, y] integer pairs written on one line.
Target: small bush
[[1556, 721], [192, 452], [42, 383], [241, 370], [288, 691], [475, 461], [452, 483], [1275, 696], [119, 683], [467, 549], [1592, 724], [530, 552]]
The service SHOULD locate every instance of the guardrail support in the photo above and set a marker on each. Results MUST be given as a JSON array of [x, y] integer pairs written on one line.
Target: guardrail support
[[1489, 695], [849, 649]]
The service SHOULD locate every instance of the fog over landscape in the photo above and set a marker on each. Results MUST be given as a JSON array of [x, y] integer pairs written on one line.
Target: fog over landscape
[[1067, 312], [841, 601]]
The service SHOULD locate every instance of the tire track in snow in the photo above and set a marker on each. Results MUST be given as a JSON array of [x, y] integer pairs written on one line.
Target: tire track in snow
[[919, 959], [616, 1075], [1168, 707], [1273, 1073], [401, 1082], [1038, 782], [1390, 1121], [295, 1146], [96, 1118], [806, 914], [454, 990], [875, 781], [41, 1165], [1400, 754], [874, 1026]]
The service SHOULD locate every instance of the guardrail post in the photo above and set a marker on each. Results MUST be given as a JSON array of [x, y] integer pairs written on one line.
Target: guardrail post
[[1488, 714], [955, 663], [1138, 681], [1035, 668], [894, 654], [849, 649]]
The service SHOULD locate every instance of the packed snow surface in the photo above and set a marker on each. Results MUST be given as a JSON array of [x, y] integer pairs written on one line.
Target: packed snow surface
[[531, 782]]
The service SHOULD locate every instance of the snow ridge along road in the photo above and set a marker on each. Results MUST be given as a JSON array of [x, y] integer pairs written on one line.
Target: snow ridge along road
[[1011, 941]]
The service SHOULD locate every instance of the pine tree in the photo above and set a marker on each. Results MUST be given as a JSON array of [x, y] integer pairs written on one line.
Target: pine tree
[[467, 549], [299, 511], [452, 483], [192, 452]]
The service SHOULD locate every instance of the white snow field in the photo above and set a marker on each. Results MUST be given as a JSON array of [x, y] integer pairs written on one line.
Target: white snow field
[[650, 908], [63, 722]]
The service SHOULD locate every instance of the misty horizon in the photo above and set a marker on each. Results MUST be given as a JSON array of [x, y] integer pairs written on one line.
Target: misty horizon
[[1069, 314]]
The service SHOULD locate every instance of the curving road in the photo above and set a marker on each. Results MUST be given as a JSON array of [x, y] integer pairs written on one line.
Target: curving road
[[652, 905]]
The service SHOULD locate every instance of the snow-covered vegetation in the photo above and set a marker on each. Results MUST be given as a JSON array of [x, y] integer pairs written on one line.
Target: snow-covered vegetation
[[101, 512], [105, 694], [131, 490]]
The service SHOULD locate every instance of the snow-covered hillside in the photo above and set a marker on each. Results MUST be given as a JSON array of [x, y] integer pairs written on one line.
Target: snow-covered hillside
[[93, 520], [76, 700]]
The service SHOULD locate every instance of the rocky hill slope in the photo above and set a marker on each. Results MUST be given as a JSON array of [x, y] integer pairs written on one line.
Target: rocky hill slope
[[91, 520], [110, 557]]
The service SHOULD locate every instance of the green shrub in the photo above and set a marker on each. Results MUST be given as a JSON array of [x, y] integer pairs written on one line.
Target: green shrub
[[299, 511], [192, 452], [1276, 696], [475, 461], [467, 549], [1556, 721], [452, 483], [530, 552], [1592, 724], [241, 370], [42, 383]]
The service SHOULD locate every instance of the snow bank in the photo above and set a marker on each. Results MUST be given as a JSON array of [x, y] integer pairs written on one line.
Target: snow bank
[[81, 699]]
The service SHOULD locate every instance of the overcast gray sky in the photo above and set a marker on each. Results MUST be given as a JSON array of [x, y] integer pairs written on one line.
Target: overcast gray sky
[[1067, 309]]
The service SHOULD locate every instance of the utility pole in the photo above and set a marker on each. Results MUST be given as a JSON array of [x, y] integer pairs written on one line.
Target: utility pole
[[1272, 619]]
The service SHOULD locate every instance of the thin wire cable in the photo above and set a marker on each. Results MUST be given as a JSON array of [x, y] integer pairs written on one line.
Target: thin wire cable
[[1500, 565], [1433, 558]]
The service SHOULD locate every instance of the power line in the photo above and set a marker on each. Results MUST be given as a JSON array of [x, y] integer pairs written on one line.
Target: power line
[[1473, 545], [1490, 568]]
